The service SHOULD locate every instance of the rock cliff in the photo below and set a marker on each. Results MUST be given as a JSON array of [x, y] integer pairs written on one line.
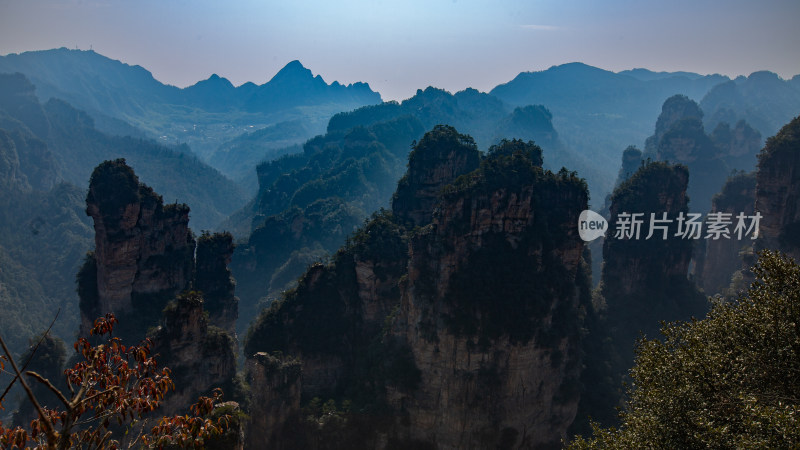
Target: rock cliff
[[778, 191], [674, 109], [490, 311], [460, 334], [739, 145], [644, 280], [723, 257], [436, 161], [680, 137], [213, 278], [142, 270], [200, 356], [276, 387], [143, 249]]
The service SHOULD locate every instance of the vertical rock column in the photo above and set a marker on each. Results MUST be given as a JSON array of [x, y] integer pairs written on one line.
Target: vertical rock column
[[144, 250]]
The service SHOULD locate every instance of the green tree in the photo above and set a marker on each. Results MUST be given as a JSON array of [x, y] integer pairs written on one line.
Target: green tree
[[731, 380]]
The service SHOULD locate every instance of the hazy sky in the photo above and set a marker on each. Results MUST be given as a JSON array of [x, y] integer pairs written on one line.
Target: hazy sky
[[399, 46]]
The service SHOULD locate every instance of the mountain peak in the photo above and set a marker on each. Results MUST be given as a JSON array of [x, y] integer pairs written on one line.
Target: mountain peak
[[212, 83], [294, 69]]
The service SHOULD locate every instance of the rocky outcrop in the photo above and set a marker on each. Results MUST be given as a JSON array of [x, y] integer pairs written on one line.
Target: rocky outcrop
[[142, 270], [687, 143], [778, 191], [680, 137], [461, 334], [439, 158], [145, 256], [489, 311], [723, 257], [631, 161], [644, 280], [674, 109], [143, 249], [199, 355], [739, 145], [214, 279], [276, 386]]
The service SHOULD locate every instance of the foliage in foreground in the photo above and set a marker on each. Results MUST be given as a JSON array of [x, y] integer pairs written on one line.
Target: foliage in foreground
[[113, 386], [731, 380]]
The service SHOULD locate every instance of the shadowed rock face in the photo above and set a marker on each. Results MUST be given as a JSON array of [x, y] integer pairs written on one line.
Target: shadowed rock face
[[631, 265], [674, 109], [489, 312], [145, 255], [723, 256], [200, 356], [142, 270], [464, 331], [778, 191], [439, 158], [144, 250], [213, 278], [645, 280]]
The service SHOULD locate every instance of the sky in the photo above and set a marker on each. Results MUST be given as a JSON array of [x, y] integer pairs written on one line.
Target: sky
[[401, 46]]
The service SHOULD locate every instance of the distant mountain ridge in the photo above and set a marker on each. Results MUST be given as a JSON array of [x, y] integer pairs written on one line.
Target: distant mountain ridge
[[64, 145], [762, 99], [598, 112], [203, 115]]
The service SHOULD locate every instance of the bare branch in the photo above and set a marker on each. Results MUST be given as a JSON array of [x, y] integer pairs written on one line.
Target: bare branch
[[102, 441], [49, 385], [48, 426], [30, 357]]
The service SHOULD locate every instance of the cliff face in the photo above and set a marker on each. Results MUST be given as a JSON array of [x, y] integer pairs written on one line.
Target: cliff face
[[680, 137], [462, 334], [276, 387], [438, 160], [739, 145], [145, 255], [674, 109], [141, 270], [200, 356], [143, 249], [778, 191], [214, 279], [645, 280], [489, 311], [723, 256]]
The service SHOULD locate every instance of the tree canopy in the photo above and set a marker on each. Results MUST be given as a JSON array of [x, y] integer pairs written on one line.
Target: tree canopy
[[731, 380]]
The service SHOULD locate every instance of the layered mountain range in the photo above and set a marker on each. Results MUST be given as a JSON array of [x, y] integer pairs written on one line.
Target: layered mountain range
[[125, 99], [598, 112]]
